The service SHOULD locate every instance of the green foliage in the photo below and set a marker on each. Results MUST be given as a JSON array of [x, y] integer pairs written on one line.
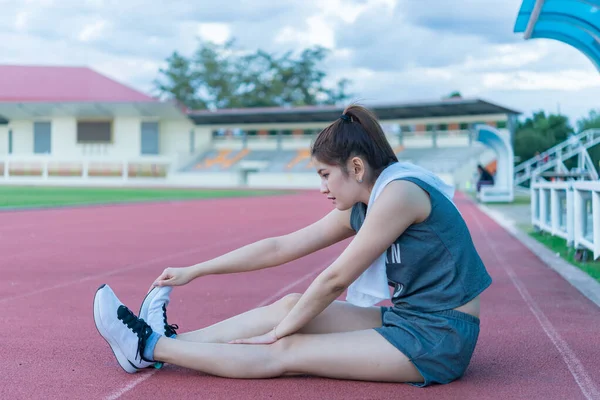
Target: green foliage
[[589, 122], [454, 95], [592, 121], [556, 128], [180, 83], [541, 131], [224, 76], [528, 141], [559, 245]]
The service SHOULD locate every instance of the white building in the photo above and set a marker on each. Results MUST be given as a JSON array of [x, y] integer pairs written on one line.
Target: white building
[[71, 125]]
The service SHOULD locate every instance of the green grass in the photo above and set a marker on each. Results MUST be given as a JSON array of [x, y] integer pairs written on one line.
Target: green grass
[[520, 198], [29, 196], [559, 245]]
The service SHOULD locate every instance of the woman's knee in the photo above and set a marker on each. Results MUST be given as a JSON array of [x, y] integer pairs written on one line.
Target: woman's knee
[[281, 354]]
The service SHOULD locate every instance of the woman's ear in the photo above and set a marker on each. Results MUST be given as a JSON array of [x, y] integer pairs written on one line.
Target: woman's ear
[[358, 168]]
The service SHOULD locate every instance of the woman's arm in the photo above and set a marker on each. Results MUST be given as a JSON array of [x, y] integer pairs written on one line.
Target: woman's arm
[[270, 252], [401, 204]]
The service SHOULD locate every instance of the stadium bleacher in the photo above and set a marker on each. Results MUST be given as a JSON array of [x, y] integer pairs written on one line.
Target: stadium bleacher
[[436, 159]]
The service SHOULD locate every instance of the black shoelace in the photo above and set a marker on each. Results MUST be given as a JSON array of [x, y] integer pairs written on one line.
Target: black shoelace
[[169, 329], [137, 325]]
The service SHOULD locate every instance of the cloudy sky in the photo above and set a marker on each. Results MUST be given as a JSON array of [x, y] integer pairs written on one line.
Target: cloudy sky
[[392, 50]]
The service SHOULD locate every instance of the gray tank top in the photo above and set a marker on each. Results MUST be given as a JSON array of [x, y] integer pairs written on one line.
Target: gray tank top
[[433, 265]]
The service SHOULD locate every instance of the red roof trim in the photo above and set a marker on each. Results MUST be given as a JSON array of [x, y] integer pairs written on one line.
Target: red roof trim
[[57, 84]]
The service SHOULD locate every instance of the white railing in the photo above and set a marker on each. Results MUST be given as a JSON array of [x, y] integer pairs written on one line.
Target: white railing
[[573, 146], [46, 168], [570, 210], [446, 138]]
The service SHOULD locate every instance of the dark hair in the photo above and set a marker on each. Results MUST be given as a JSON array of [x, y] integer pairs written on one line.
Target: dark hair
[[356, 133]]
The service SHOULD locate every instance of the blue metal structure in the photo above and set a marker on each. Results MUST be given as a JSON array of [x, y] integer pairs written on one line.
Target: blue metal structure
[[500, 143], [574, 22]]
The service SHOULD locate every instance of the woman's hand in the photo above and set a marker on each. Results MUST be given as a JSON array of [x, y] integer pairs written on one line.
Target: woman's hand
[[268, 338], [174, 277]]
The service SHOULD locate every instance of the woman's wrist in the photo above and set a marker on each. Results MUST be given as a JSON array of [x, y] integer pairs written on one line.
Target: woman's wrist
[[196, 270]]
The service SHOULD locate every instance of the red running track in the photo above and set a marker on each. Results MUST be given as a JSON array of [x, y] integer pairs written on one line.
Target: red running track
[[540, 337]]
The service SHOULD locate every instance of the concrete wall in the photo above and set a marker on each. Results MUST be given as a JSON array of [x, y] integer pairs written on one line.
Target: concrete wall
[[3, 140], [302, 180], [283, 180], [207, 179], [174, 138], [23, 137]]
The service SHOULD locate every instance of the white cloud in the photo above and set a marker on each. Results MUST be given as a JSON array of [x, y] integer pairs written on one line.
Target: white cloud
[[92, 31], [21, 20], [348, 10], [392, 50], [506, 56], [214, 32], [317, 32], [568, 80]]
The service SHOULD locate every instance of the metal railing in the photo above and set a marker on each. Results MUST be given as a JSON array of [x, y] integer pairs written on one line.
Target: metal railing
[[283, 141], [573, 146], [570, 210]]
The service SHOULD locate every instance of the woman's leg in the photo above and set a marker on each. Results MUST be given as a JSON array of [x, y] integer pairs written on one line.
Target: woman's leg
[[357, 355], [340, 316]]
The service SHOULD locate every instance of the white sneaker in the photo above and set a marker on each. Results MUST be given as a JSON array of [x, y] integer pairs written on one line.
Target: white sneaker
[[125, 333], [154, 310]]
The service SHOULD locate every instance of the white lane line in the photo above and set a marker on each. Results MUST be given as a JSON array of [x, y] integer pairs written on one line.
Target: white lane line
[[578, 371], [115, 395], [119, 270]]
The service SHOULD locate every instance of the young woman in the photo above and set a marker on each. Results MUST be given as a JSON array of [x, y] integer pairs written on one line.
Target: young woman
[[428, 335]]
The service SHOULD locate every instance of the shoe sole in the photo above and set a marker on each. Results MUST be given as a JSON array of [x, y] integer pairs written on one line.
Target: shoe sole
[[122, 360]]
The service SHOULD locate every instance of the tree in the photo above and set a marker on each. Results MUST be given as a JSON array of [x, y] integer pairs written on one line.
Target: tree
[[539, 133], [555, 127], [454, 95], [528, 141], [180, 82], [223, 76], [591, 122]]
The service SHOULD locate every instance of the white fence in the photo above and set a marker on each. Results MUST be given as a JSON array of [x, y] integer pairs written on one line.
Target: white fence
[[570, 210], [47, 168]]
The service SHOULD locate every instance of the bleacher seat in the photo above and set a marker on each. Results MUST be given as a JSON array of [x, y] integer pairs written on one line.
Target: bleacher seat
[[439, 160], [219, 160], [300, 160]]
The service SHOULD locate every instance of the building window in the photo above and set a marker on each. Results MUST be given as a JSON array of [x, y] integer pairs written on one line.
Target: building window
[[464, 126], [94, 131], [501, 124]]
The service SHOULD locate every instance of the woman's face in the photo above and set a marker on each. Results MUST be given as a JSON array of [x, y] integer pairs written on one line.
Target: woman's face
[[343, 190]]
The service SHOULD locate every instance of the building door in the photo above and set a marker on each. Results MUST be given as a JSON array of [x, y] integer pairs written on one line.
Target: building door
[[42, 138], [150, 138]]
